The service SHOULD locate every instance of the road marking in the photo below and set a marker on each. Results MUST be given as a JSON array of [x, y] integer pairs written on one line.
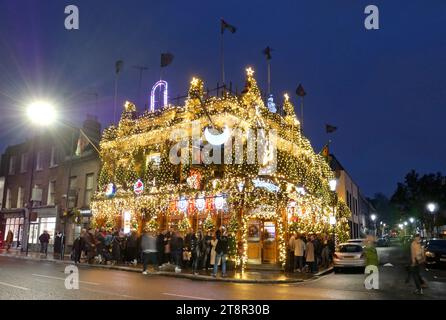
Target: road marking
[[58, 278], [179, 295], [13, 286]]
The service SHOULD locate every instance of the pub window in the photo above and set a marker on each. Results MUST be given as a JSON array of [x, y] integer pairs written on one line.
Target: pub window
[[11, 165], [23, 162]]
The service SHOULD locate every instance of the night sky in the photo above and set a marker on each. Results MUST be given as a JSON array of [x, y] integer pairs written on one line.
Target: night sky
[[384, 89]]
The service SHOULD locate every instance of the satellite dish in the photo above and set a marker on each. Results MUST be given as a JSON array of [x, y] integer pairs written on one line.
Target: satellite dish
[[218, 139]]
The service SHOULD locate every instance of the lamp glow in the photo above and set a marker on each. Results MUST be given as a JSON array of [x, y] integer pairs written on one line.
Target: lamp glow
[[332, 183], [411, 220], [431, 207], [373, 217], [41, 113]]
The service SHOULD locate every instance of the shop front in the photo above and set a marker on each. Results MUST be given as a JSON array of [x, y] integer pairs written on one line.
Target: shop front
[[13, 219]]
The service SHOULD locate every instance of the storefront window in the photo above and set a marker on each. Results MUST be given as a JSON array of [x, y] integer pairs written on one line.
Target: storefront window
[[48, 224], [16, 226], [33, 233]]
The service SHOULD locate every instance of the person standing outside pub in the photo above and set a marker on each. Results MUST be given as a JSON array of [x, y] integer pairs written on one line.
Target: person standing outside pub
[[291, 252], [221, 251], [44, 240], [299, 249]]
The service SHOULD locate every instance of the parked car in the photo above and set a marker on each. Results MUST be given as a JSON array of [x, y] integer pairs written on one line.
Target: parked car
[[435, 252], [360, 241], [349, 255], [382, 242]]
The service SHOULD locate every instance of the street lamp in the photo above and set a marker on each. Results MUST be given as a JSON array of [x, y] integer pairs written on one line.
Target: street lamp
[[432, 208], [412, 220], [373, 218], [41, 113], [332, 184]]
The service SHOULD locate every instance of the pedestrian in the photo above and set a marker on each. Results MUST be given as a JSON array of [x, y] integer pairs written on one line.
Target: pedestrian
[[291, 251], [197, 251], [100, 245], [167, 246], [310, 255], [160, 248], [132, 248], [89, 245], [149, 250], [214, 242], [207, 250], [57, 244], [9, 239], [299, 248], [221, 251], [325, 255], [44, 240], [177, 244], [417, 259], [116, 248], [317, 242], [76, 251]]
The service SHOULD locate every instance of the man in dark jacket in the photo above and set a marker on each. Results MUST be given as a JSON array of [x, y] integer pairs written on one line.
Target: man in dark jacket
[[221, 251], [176, 246], [160, 248], [44, 240]]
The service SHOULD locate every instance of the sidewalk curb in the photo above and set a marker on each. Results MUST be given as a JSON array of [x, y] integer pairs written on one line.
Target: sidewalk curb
[[173, 274]]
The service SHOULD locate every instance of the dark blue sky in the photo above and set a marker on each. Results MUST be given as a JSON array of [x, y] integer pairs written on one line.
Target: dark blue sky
[[384, 89]]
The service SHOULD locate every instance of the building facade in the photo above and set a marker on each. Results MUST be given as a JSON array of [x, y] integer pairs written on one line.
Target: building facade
[[35, 174], [350, 193]]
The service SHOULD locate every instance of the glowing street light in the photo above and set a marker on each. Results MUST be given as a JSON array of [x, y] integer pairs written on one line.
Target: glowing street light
[[373, 217], [405, 223], [401, 226], [412, 220], [41, 113], [431, 207]]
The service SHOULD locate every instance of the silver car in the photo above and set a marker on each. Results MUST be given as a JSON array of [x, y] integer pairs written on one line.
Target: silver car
[[349, 255]]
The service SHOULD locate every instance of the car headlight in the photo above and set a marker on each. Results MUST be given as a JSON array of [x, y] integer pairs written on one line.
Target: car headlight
[[430, 254]]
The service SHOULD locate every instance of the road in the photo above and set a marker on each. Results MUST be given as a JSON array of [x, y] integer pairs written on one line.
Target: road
[[26, 279]]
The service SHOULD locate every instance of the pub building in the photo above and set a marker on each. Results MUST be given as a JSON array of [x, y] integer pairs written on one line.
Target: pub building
[[226, 160]]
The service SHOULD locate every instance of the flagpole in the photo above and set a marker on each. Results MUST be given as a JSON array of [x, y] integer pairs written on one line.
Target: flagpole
[[302, 114], [116, 97], [222, 59], [269, 77]]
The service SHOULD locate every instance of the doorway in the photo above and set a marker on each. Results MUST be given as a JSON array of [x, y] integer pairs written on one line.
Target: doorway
[[261, 239]]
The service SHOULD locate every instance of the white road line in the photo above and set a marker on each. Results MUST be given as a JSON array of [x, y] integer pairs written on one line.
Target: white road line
[[191, 297], [13, 286], [58, 278]]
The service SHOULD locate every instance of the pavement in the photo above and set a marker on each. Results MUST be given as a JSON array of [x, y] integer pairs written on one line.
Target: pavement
[[250, 276]]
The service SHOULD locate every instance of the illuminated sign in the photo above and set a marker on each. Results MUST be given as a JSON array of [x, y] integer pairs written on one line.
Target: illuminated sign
[[127, 218], [219, 202], [266, 185], [138, 187], [110, 190], [200, 203], [159, 85], [182, 204]]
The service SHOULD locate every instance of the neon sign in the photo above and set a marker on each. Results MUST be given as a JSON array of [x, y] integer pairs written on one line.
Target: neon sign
[[161, 85]]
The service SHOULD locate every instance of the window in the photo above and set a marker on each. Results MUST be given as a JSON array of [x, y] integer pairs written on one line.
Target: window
[[23, 162], [16, 226], [8, 199], [20, 196], [53, 160], [89, 181], [48, 224], [11, 165], [72, 194], [39, 160], [51, 193]]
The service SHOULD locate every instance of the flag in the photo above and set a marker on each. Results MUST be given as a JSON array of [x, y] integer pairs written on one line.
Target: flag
[[118, 66], [325, 152], [166, 59], [300, 91], [330, 128], [267, 52], [225, 25]]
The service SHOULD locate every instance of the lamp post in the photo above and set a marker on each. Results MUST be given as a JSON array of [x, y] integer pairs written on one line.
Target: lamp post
[[373, 218], [432, 208], [332, 184], [40, 113], [43, 113]]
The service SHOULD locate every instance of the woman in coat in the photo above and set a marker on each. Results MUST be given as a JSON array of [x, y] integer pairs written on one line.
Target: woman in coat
[[9, 239], [214, 242], [197, 251], [309, 255]]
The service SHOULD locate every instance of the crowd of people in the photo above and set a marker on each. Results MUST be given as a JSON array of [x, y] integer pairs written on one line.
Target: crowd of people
[[195, 250], [308, 253]]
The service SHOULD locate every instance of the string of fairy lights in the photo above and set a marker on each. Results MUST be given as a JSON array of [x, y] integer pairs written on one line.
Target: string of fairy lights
[[140, 146]]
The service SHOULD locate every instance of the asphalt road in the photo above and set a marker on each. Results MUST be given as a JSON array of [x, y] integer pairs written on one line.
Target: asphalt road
[[25, 279]]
